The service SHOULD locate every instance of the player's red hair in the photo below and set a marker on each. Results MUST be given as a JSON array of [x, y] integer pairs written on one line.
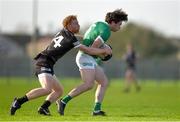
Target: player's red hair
[[67, 20]]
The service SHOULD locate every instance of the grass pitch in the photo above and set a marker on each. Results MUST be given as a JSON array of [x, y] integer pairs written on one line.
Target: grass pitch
[[157, 101]]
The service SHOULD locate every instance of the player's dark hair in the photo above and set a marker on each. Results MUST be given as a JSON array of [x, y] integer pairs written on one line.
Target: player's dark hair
[[67, 20], [116, 16]]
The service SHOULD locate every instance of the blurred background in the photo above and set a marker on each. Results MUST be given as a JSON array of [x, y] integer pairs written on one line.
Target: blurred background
[[27, 27]]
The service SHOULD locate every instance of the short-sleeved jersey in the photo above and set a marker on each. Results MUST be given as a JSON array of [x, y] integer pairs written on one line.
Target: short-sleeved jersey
[[97, 29], [60, 45]]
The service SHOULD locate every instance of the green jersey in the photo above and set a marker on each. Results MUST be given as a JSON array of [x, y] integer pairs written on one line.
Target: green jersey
[[97, 29]]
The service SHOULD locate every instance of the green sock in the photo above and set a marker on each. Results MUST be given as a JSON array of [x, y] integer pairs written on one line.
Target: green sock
[[97, 106], [66, 99]]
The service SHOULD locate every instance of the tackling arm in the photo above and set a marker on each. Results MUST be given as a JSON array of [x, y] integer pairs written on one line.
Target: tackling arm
[[94, 51]]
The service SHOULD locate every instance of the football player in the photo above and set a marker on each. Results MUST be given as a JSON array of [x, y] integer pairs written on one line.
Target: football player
[[95, 36], [64, 41]]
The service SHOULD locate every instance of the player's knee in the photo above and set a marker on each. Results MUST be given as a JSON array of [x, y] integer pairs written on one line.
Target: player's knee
[[47, 90], [105, 83], [89, 86], [59, 91]]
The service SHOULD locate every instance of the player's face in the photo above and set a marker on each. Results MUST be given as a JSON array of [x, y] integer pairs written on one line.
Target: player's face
[[74, 26], [115, 26]]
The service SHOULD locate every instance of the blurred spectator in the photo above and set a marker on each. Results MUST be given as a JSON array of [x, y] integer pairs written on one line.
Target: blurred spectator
[[130, 75]]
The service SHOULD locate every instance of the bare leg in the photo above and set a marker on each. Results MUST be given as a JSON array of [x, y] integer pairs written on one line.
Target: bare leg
[[128, 80], [135, 81], [57, 91], [88, 76], [49, 85], [102, 84]]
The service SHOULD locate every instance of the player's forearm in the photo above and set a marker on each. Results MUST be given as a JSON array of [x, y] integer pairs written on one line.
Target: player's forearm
[[95, 51], [92, 50]]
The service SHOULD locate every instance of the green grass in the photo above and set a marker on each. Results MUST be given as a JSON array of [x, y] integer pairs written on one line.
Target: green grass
[[158, 101]]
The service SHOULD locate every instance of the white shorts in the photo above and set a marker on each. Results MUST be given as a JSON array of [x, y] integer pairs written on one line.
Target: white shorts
[[85, 61]]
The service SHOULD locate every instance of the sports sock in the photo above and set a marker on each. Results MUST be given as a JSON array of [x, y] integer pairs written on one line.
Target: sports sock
[[97, 106], [46, 104], [66, 99], [22, 99]]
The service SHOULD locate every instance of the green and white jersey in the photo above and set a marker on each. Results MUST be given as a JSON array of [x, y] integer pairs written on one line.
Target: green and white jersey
[[97, 30]]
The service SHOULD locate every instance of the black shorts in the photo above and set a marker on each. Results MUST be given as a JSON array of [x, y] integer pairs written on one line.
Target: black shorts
[[41, 69], [43, 65]]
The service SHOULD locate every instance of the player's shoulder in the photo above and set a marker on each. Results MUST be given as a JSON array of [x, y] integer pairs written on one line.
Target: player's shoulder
[[65, 33], [101, 23], [104, 29]]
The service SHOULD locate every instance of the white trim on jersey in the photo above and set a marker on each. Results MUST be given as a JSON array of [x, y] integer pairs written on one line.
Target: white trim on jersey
[[78, 46], [99, 37]]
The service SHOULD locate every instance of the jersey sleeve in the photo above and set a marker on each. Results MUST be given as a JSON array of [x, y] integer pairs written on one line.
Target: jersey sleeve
[[98, 30], [76, 44], [100, 38], [105, 33]]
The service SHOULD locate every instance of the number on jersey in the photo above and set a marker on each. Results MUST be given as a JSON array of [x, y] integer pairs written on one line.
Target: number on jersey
[[57, 41]]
